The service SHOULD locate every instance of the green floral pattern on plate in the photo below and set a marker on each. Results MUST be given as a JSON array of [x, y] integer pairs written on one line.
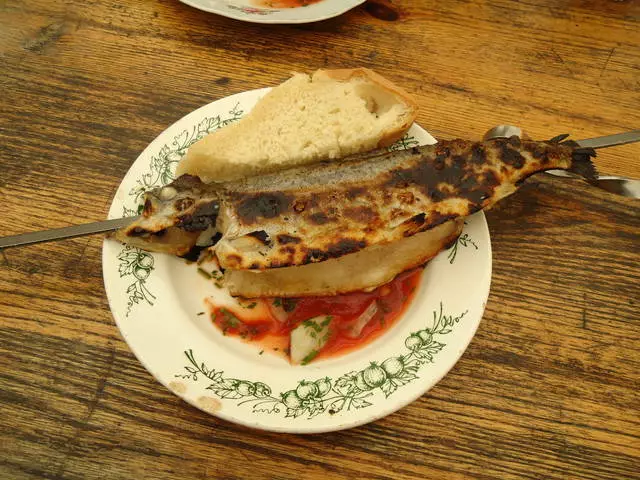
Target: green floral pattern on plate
[[404, 143], [135, 262], [139, 264], [352, 390], [464, 240]]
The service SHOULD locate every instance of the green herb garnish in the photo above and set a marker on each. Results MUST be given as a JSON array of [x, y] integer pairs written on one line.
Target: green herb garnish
[[229, 318], [216, 274], [313, 354], [204, 273], [289, 304]]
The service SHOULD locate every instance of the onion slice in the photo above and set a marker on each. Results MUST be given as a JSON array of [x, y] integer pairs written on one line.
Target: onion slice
[[280, 309], [365, 317], [308, 338]]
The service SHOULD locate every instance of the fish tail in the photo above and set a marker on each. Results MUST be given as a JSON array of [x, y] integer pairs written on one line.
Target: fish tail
[[581, 158], [582, 164]]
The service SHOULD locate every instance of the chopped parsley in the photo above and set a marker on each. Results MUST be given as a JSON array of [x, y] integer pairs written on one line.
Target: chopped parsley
[[204, 273], [313, 354], [289, 304], [312, 325], [317, 327], [229, 319], [384, 307]]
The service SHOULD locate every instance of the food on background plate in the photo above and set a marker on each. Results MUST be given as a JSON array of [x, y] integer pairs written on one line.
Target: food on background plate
[[331, 236], [327, 115], [284, 3]]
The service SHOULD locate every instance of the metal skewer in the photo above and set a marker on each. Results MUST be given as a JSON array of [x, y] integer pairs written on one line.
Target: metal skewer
[[623, 186]]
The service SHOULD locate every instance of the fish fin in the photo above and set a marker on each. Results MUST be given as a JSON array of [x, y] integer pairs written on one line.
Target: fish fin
[[558, 139], [581, 163]]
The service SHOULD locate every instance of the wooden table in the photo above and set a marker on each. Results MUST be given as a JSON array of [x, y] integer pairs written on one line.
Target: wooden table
[[547, 389]]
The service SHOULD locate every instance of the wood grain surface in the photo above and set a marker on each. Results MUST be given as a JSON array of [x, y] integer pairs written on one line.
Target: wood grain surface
[[549, 387]]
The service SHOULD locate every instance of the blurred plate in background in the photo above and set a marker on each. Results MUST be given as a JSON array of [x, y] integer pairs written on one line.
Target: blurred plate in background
[[275, 11]]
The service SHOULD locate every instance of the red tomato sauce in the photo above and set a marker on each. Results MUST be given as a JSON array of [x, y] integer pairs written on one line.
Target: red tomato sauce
[[257, 321], [285, 3]]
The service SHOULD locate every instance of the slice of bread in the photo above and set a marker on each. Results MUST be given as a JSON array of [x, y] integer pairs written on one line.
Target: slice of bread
[[329, 114]]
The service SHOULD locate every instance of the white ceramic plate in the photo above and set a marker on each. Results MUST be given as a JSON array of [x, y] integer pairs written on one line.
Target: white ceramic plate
[[156, 298], [250, 11]]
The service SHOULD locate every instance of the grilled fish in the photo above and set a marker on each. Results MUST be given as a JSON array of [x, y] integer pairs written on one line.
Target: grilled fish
[[324, 211]]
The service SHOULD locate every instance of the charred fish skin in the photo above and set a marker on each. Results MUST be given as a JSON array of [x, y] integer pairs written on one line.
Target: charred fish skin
[[318, 212], [313, 214], [174, 217]]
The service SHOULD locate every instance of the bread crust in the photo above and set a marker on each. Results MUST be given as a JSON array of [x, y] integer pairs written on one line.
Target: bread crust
[[389, 137]]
